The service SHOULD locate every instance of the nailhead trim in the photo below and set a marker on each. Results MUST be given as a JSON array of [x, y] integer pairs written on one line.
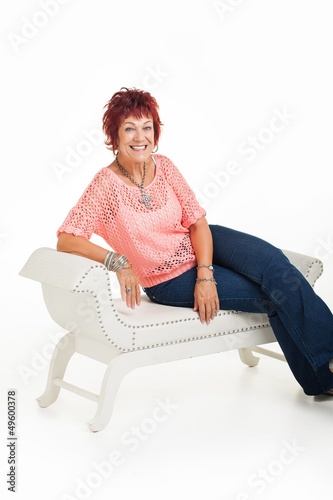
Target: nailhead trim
[[310, 268], [181, 341], [136, 327], [221, 313]]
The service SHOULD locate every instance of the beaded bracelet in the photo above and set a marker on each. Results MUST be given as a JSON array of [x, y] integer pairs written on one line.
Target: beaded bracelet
[[206, 279]]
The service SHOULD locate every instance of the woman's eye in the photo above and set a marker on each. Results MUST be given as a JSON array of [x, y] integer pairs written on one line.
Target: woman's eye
[[130, 129]]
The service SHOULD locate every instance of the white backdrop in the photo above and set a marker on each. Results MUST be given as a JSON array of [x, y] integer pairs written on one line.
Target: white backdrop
[[245, 95]]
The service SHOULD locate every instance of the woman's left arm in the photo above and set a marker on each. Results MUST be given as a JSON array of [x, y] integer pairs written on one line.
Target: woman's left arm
[[206, 300]]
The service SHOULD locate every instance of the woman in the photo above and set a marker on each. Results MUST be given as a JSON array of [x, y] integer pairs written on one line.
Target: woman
[[143, 208]]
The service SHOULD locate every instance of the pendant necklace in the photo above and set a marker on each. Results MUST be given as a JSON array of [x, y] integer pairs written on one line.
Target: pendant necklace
[[145, 198]]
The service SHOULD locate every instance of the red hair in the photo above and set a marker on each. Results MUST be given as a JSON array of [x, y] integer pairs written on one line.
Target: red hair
[[128, 102]]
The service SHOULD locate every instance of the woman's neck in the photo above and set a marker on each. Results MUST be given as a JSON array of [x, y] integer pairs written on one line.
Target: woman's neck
[[133, 168]]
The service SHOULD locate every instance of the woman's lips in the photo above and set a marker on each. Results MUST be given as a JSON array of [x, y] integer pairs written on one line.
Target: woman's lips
[[139, 148]]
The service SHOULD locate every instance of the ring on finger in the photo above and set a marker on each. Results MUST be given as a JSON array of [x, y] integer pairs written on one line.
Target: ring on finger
[[128, 290]]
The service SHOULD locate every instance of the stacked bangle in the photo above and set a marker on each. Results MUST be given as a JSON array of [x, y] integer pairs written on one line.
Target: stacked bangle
[[113, 261]]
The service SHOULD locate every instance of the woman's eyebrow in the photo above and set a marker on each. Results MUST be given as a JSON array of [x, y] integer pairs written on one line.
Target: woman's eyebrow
[[134, 123]]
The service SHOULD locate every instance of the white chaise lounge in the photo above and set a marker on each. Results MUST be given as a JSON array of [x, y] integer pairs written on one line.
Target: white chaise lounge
[[125, 339]]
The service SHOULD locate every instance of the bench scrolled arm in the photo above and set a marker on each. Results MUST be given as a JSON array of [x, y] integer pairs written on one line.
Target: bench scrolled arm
[[64, 270]]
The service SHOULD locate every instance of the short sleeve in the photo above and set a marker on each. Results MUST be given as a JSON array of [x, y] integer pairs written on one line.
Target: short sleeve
[[84, 218], [191, 210]]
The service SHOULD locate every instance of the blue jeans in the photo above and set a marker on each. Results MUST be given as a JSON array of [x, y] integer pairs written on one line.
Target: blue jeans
[[254, 276]]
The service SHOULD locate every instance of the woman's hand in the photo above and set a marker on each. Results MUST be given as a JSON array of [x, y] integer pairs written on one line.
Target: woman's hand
[[206, 300], [128, 281]]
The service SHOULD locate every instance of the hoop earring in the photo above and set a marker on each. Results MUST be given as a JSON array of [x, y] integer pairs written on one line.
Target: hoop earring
[[156, 149]]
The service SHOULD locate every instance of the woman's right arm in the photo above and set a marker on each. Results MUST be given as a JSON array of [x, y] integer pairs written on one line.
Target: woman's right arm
[[126, 277], [80, 246]]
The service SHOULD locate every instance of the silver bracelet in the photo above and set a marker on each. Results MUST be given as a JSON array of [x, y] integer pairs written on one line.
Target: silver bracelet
[[198, 280], [114, 262], [120, 262], [210, 267], [107, 259], [110, 259]]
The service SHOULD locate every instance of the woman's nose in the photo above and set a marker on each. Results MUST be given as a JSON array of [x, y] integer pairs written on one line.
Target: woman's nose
[[139, 135]]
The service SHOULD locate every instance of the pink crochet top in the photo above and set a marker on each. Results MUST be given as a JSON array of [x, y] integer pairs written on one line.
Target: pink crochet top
[[157, 241]]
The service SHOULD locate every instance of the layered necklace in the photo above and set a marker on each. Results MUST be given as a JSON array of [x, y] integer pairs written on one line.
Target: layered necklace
[[145, 198]]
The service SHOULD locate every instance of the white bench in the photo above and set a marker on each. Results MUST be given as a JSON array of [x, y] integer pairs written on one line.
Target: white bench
[[77, 294]]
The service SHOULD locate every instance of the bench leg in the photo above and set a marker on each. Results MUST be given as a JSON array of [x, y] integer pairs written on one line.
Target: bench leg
[[62, 353], [117, 369], [247, 357]]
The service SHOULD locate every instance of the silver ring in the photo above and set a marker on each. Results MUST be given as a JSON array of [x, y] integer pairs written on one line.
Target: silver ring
[[128, 290]]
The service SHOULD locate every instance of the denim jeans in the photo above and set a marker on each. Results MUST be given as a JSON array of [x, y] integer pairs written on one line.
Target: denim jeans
[[254, 276]]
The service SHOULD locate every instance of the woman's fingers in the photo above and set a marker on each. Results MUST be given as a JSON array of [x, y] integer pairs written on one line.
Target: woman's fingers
[[138, 295], [133, 295], [208, 313], [129, 287], [206, 302], [122, 289], [128, 296]]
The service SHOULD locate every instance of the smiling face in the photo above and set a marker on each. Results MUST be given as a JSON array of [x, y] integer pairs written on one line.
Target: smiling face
[[136, 138]]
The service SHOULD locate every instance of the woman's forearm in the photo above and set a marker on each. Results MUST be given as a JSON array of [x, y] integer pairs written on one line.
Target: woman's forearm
[[202, 242], [81, 246], [206, 300]]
